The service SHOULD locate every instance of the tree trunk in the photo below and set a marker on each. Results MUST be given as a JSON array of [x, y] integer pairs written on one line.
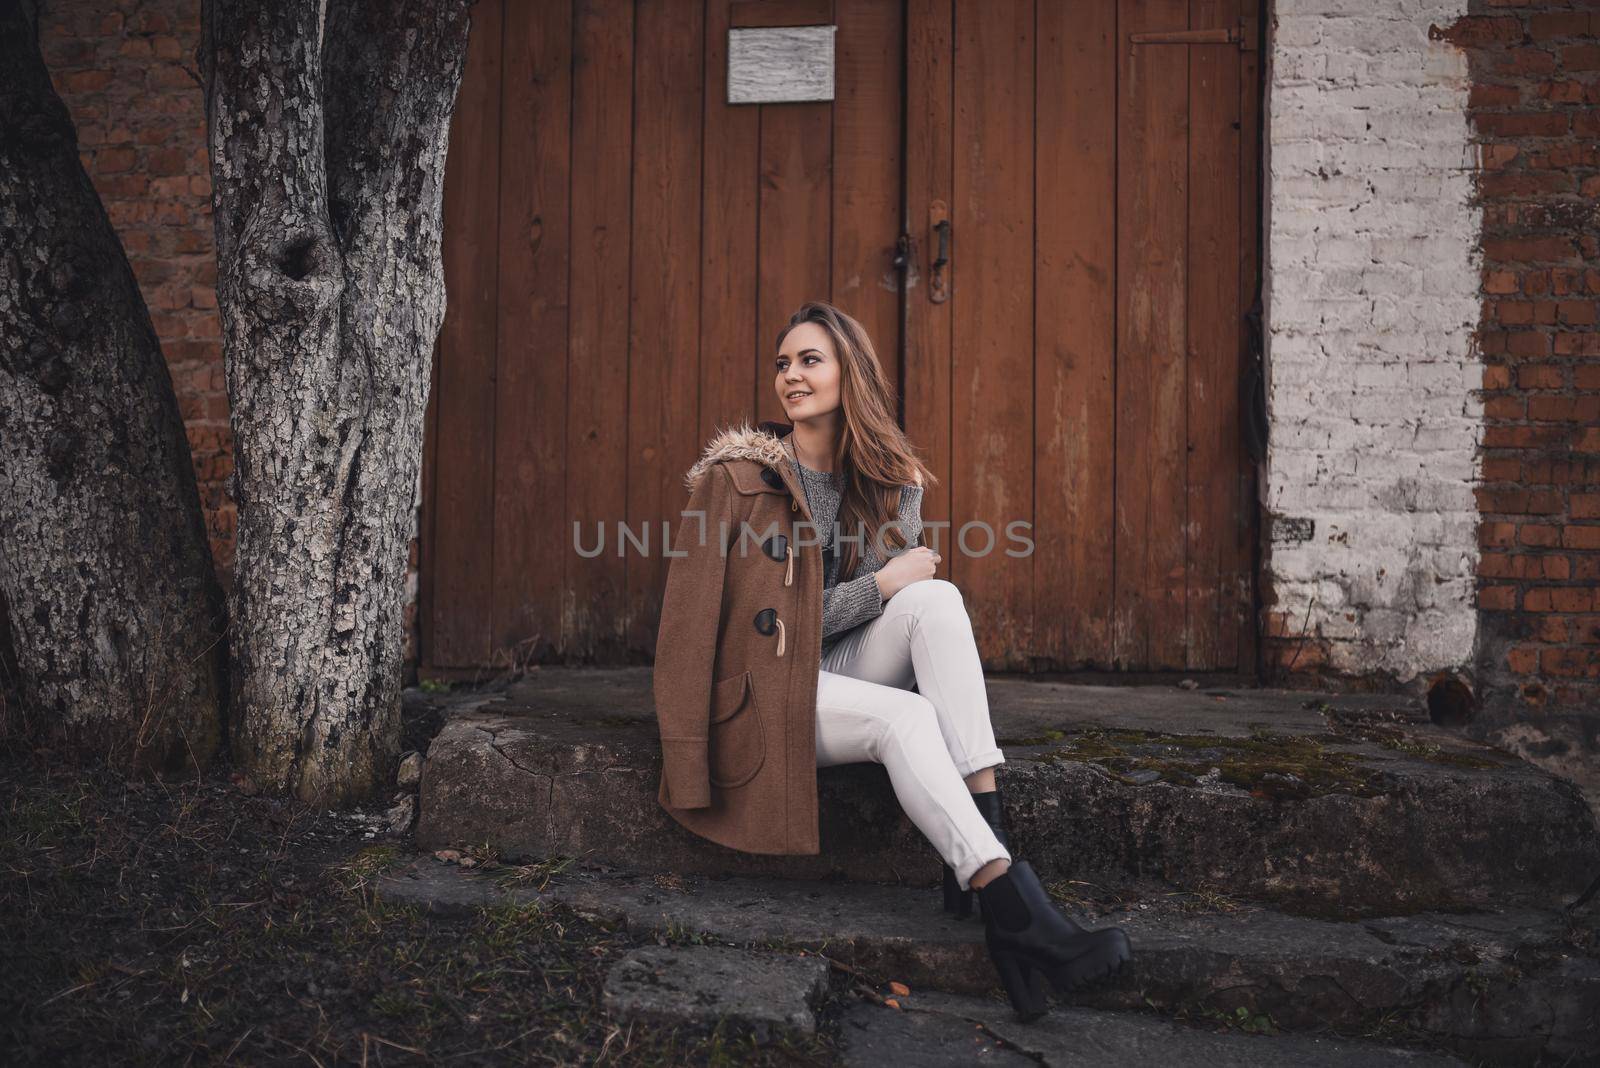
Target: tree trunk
[[327, 176], [116, 614]]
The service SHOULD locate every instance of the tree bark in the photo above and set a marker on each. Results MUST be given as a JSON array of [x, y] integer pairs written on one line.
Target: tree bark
[[116, 614], [327, 177]]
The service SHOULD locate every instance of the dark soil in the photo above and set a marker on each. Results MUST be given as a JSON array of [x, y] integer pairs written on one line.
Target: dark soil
[[175, 923]]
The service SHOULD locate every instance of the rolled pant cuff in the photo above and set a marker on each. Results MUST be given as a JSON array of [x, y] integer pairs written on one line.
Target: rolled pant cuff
[[987, 759], [969, 868]]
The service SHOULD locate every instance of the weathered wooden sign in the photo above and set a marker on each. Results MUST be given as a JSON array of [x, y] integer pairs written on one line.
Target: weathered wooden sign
[[780, 64]]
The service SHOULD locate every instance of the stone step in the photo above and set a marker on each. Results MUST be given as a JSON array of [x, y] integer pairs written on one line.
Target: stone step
[[951, 1031], [1342, 805], [770, 995], [1505, 986]]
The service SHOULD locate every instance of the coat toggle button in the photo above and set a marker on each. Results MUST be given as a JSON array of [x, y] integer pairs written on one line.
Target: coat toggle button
[[767, 621]]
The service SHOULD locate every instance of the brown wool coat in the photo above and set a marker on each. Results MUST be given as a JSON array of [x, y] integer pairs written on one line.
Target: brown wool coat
[[738, 651]]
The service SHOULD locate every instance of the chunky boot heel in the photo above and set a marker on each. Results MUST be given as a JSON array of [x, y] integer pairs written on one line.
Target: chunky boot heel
[[1021, 983], [1024, 930], [956, 900]]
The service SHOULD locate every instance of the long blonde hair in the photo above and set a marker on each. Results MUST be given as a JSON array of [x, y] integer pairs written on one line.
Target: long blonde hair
[[873, 456]]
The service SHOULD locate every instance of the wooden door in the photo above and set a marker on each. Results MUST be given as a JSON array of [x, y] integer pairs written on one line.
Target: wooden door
[[621, 248], [1075, 364]]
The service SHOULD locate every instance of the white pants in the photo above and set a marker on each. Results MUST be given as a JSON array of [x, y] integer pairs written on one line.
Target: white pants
[[928, 741]]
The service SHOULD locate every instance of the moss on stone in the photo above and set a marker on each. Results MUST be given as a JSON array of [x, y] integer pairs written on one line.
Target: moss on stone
[[1264, 764], [1401, 742]]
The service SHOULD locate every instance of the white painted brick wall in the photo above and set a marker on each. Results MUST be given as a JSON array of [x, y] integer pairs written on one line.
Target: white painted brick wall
[[1372, 281]]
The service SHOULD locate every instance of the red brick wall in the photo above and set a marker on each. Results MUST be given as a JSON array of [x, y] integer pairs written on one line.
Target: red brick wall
[[126, 72], [1536, 87]]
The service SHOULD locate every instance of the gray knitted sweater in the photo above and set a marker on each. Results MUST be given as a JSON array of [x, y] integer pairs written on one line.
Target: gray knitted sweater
[[847, 605]]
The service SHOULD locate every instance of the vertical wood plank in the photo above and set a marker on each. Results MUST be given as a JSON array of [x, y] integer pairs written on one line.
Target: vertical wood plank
[[796, 224], [464, 525], [597, 408], [930, 85], [1075, 324], [1152, 268], [1238, 615], [532, 541], [426, 549], [992, 242], [1213, 342], [732, 360], [869, 71], [664, 372], [748, 13]]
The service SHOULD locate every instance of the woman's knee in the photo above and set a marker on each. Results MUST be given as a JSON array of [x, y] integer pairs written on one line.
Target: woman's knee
[[911, 723], [935, 593], [936, 603]]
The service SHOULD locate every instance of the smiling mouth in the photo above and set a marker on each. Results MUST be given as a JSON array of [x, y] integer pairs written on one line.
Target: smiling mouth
[[797, 396]]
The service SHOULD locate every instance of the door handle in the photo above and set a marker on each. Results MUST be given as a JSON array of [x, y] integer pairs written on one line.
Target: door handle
[[1243, 34], [1221, 35]]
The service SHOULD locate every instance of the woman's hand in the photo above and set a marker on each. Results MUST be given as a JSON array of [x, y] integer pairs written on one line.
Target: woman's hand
[[913, 565]]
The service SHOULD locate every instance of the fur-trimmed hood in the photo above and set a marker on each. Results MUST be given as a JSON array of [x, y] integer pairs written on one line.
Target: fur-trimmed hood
[[762, 443]]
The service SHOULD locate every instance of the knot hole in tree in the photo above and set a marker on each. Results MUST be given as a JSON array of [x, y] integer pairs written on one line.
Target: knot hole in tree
[[291, 271], [300, 257]]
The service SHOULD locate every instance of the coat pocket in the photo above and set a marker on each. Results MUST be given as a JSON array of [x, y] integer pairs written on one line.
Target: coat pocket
[[738, 740]]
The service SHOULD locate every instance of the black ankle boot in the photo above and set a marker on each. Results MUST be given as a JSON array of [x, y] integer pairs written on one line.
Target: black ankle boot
[[957, 900], [1027, 934]]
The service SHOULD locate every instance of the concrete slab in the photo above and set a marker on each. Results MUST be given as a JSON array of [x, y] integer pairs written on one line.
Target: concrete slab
[[1340, 805], [768, 994], [936, 1025], [873, 1036], [1509, 984]]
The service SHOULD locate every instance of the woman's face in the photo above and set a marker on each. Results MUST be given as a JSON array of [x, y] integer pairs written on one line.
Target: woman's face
[[807, 364]]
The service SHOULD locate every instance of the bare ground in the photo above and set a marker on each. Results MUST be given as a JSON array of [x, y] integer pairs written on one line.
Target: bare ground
[[177, 923]]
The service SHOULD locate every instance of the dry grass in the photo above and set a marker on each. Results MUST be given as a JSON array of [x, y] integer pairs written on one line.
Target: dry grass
[[176, 924]]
